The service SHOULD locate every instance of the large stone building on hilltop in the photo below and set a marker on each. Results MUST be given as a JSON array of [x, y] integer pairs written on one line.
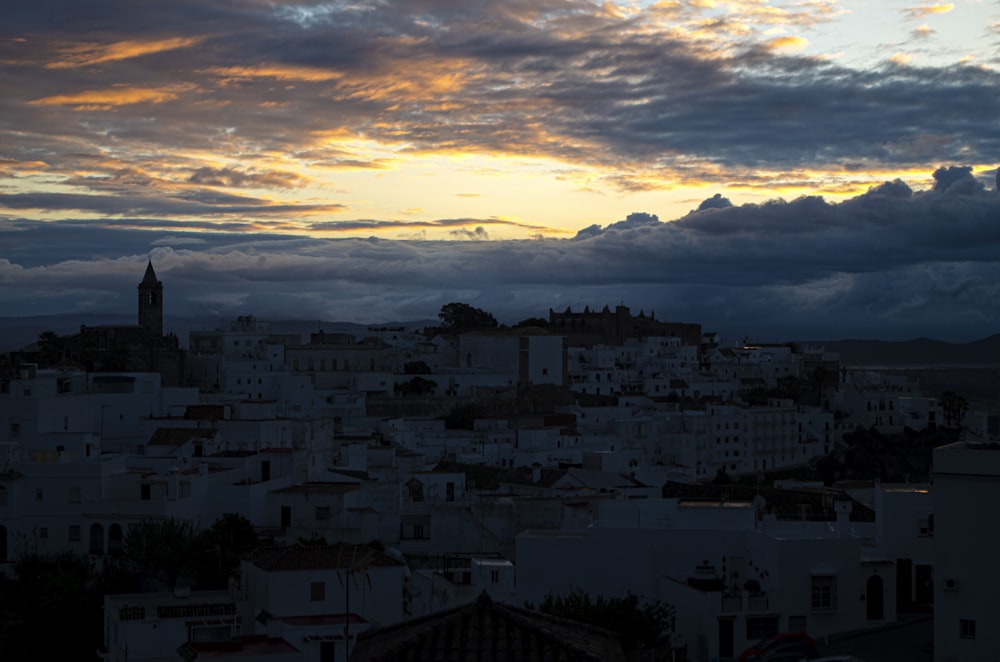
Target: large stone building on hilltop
[[587, 329]]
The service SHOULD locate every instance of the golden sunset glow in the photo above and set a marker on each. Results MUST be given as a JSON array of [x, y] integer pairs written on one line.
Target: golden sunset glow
[[90, 54], [110, 98]]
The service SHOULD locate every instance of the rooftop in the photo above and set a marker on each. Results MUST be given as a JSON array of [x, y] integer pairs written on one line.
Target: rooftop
[[488, 631], [320, 557]]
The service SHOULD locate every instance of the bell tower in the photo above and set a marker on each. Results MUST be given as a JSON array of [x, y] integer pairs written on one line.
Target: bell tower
[[151, 302]]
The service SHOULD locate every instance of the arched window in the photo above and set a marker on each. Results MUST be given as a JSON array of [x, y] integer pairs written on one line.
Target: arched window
[[115, 539], [96, 545]]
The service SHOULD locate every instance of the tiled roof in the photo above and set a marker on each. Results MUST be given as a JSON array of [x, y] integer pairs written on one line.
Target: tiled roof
[[490, 478], [488, 631], [319, 557], [255, 646], [318, 488], [178, 436]]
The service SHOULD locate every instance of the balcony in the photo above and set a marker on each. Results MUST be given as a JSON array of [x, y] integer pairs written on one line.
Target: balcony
[[732, 602], [757, 602]]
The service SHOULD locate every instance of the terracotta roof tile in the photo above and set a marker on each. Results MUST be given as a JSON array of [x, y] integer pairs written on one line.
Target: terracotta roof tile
[[488, 631]]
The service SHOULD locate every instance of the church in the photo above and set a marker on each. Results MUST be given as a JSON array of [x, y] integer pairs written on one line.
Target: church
[[140, 347]]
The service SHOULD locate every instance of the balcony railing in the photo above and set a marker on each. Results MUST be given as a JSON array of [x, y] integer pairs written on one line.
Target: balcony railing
[[757, 602], [733, 602]]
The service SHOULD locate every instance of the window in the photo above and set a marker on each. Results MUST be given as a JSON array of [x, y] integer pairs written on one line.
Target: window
[[74, 533], [3, 495], [925, 526], [824, 592], [967, 628], [39, 494], [43, 532], [145, 492], [760, 627], [74, 495], [322, 513], [317, 591]]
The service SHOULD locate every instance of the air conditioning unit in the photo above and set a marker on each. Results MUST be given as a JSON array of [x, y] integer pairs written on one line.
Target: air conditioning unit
[[951, 584]]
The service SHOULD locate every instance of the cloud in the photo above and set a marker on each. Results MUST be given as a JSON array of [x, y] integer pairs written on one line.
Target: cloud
[[927, 9], [638, 102], [234, 177], [190, 203], [955, 179], [478, 234], [715, 202], [892, 262], [81, 55], [787, 44], [110, 98]]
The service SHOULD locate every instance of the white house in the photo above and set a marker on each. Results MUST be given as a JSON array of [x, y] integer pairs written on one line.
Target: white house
[[966, 574]]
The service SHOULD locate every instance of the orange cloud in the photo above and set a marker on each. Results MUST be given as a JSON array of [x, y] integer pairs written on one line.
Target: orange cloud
[[278, 72], [923, 10], [116, 96], [83, 55], [792, 44]]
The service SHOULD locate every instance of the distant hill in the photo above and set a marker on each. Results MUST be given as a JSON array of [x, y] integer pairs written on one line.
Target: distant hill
[[919, 352], [19, 332]]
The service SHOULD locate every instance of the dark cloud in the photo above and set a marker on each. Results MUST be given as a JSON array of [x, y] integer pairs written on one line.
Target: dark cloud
[[245, 179], [631, 222], [188, 203], [889, 263], [715, 202], [957, 179]]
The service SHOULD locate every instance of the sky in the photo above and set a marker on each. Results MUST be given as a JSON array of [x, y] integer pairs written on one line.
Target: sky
[[783, 169]]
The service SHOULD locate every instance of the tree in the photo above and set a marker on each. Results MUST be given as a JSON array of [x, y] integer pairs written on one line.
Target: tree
[[953, 408], [416, 368], [46, 590], [463, 317], [162, 549], [50, 349], [416, 386], [217, 550], [639, 624]]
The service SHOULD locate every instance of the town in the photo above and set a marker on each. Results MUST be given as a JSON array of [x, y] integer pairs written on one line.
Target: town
[[397, 493]]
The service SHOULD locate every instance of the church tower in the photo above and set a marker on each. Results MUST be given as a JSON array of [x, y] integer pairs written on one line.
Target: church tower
[[151, 302]]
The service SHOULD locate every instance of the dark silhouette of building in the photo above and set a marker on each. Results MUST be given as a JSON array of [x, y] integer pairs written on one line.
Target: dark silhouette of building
[[587, 329], [138, 347], [151, 302]]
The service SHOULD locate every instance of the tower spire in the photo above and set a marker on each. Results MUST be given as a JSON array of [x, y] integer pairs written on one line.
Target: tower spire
[[151, 302]]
